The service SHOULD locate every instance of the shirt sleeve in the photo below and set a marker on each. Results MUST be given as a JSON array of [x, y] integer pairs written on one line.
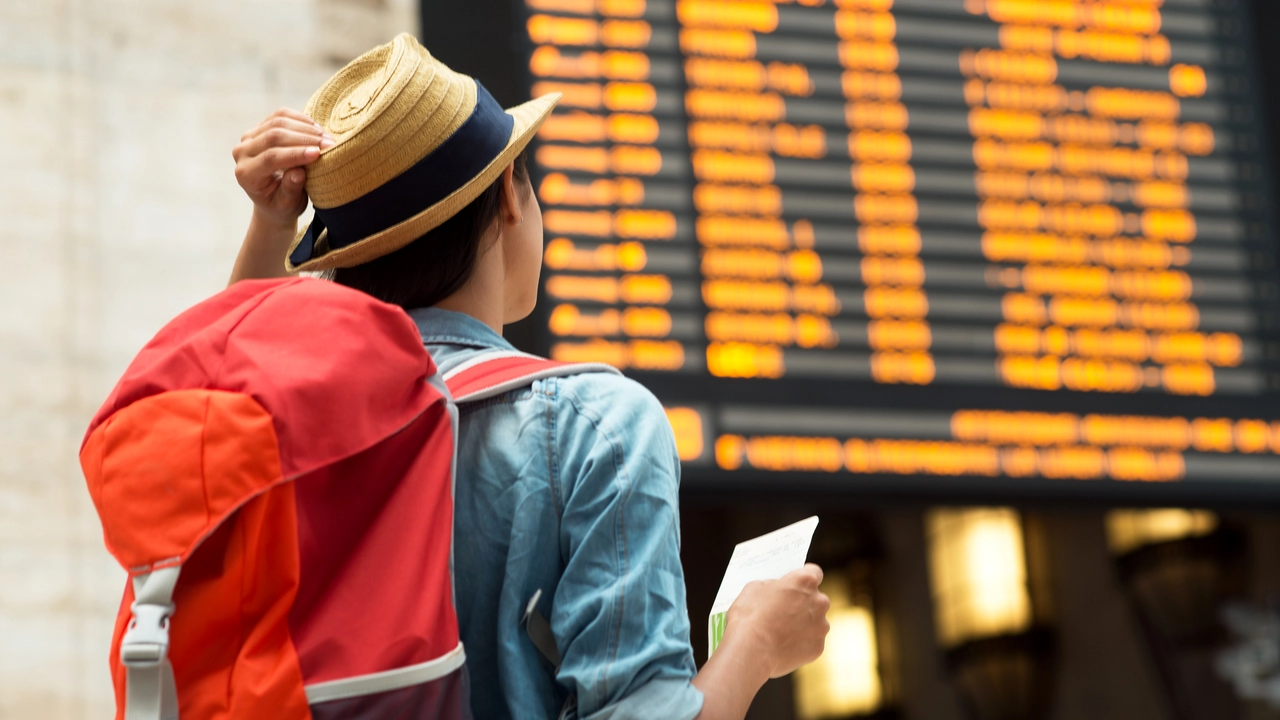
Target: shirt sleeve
[[619, 612]]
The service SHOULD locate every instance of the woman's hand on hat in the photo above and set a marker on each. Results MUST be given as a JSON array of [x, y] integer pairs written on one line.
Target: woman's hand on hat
[[270, 160], [269, 167]]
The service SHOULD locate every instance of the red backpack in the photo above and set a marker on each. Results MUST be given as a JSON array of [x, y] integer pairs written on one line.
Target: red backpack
[[275, 471]]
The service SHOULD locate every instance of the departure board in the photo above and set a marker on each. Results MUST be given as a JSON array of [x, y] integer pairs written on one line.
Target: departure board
[[1025, 240]]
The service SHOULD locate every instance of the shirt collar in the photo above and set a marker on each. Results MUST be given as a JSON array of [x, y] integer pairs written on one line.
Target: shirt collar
[[446, 327]]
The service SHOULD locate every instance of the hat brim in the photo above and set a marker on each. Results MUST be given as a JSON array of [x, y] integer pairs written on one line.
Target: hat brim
[[528, 118]]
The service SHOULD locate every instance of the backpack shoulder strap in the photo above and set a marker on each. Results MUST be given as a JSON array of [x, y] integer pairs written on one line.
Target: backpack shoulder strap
[[494, 373]]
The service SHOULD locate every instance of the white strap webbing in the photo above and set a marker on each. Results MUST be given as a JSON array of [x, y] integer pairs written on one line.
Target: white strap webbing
[[387, 680], [150, 693]]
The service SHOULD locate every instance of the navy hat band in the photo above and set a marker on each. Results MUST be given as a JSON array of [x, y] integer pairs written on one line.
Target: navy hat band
[[458, 160]]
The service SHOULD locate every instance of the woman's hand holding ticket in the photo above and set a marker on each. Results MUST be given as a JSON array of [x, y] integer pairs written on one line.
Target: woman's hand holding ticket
[[785, 618], [774, 627]]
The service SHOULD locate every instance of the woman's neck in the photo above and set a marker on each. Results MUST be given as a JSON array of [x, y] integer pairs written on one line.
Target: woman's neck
[[483, 296]]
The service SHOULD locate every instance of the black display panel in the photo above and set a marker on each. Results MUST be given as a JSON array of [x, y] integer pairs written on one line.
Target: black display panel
[[1014, 244]]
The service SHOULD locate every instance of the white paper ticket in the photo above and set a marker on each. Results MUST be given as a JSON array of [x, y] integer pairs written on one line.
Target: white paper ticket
[[767, 557]]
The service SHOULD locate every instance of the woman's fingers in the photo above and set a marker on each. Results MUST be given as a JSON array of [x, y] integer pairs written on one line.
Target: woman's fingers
[[301, 127], [278, 137], [807, 577], [259, 170], [291, 192], [270, 159], [284, 117], [277, 159], [288, 112]]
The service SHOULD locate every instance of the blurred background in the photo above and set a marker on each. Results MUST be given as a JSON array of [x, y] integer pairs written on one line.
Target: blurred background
[[988, 285]]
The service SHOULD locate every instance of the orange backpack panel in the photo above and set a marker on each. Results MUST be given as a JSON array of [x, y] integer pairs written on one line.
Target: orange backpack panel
[[165, 473]]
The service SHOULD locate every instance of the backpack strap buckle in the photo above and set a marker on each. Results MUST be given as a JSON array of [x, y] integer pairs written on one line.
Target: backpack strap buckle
[[146, 642], [150, 692]]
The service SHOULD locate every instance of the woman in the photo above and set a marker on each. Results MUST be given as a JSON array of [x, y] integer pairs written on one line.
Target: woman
[[569, 485]]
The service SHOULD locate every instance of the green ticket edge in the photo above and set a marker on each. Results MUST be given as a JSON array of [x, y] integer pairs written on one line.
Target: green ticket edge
[[718, 621]]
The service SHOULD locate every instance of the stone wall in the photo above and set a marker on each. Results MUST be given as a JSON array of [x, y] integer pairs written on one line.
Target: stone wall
[[119, 209]]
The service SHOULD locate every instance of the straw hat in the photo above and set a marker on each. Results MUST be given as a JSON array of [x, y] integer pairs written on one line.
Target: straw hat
[[416, 143]]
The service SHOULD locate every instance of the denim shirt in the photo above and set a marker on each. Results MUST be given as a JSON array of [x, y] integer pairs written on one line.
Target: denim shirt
[[568, 486]]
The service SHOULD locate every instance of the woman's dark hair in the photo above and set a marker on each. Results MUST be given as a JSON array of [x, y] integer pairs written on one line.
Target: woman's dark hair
[[434, 266]]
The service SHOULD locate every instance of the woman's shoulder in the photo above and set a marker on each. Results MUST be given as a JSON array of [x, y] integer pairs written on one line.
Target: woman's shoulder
[[609, 397], [609, 421]]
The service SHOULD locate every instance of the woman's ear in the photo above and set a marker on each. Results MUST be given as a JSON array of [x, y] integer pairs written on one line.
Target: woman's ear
[[512, 214]]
